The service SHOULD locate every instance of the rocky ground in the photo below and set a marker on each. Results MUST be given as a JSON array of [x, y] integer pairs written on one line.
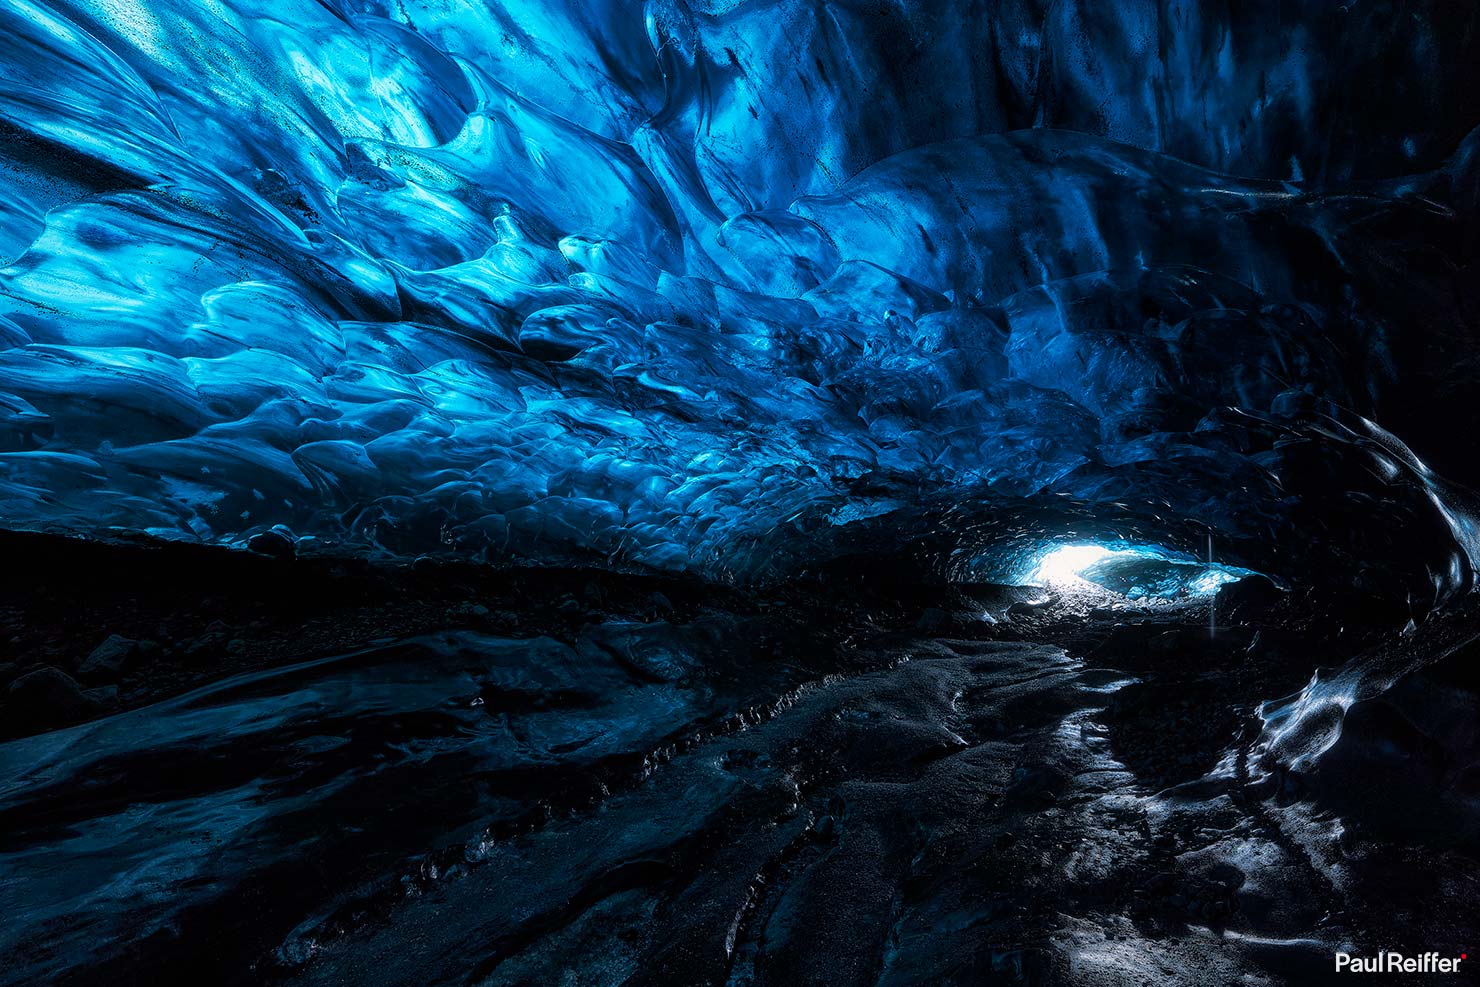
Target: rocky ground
[[323, 773], [88, 628]]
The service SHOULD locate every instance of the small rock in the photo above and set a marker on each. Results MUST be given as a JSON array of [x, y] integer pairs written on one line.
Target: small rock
[[109, 658], [1246, 598], [209, 641], [1023, 608], [103, 695], [933, 621], [48, 697], [236, 646], [277, 542]]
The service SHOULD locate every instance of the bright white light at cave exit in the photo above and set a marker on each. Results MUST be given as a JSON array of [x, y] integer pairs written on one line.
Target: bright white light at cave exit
[[1063, 565]]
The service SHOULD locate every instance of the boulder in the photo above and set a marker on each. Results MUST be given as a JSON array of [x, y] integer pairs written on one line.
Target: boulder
[[47, 698]]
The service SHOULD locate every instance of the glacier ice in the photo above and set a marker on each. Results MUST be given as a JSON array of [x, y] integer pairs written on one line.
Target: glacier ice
[[705, 285], [839, 301], [1135, 572]]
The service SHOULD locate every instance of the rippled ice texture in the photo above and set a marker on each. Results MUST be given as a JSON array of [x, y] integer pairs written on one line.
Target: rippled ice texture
[[674, 284]]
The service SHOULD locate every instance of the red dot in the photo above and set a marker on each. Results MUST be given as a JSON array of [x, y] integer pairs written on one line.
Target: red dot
[[1464, 956]]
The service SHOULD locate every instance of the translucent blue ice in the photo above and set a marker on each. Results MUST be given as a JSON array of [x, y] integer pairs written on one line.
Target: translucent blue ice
[[1135, 572], [682, 284]]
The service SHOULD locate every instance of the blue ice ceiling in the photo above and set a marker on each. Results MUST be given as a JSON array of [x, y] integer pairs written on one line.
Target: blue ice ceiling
[[739, 287]]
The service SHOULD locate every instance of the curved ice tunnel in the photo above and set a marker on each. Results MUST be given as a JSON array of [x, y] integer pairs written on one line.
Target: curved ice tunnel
[[630, 283], [1134, 571]]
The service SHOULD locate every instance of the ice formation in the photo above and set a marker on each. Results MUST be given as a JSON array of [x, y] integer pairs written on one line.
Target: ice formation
[[699, 286], [835, 302]]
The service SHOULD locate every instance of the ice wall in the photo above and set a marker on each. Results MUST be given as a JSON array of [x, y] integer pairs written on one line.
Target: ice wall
[[700, 285]]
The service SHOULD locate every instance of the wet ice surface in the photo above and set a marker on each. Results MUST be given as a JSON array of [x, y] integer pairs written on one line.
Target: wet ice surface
[[718, 803]]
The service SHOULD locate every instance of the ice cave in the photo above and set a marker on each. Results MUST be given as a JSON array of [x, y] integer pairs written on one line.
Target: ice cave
[[739, 493]]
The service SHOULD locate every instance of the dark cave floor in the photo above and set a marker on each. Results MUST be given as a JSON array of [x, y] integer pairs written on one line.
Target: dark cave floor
[[655, 786]]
